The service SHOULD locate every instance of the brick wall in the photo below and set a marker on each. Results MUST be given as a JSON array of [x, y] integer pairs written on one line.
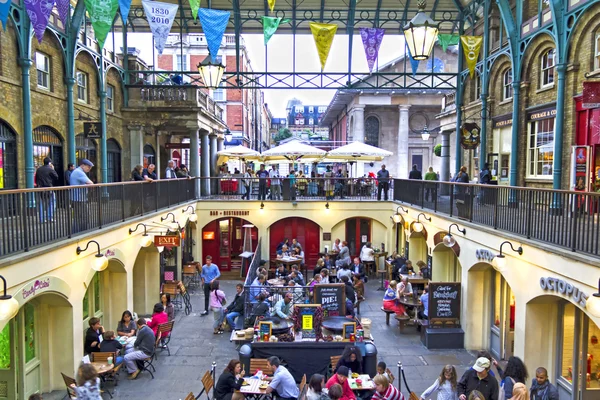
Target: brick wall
[[165, 62]]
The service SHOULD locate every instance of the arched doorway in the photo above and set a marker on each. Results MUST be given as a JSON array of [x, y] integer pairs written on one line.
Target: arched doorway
[[149, 155], [372, 131], [357, 231], [307, 232], [443, 261], [223, 239], [86, 148], [8, 157], [417, 246], [113, 161], [146, 280], [47, 143], [113, 288]]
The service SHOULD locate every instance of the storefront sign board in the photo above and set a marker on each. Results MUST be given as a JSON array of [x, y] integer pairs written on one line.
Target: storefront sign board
[[542, 114], [332, 298], [229, 213], [40, 286], [564, 288], [307, 320], [580, 162], [168, 240], [591, 94], [484, 255], [444, 302]]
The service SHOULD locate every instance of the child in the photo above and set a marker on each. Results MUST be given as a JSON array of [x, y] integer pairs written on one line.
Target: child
[[444, 385], [216, 301], [111, 345], [88, 383], [382, 369], [335, 392]]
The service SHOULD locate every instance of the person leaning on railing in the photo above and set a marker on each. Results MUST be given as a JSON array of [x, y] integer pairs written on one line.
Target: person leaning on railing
[[79, 196]]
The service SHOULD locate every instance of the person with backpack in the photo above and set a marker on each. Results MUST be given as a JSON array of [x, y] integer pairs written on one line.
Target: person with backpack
[[515, 372]]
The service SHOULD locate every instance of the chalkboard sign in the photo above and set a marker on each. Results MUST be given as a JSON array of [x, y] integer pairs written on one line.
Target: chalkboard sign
[[349, 332], [332, 298], [265, 328], [307, 320], [429, 273], [444, 302]]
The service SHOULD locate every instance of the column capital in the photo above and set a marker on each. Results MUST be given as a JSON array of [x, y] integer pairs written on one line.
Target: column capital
[[404, 107], [204, 132], [134, 127], [212, 135], [358, 107]]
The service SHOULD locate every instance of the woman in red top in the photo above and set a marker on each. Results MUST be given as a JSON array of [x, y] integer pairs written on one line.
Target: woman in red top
[[159, 316]]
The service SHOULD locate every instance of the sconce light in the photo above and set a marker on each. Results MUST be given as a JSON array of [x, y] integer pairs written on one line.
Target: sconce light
[[593, 303], [500, 259], [449, 240], [262, 205], [418, 226], [100, 262], [397, 218], [9, 306], [327, 206], [173, 225], [193, 216], [146, 239]]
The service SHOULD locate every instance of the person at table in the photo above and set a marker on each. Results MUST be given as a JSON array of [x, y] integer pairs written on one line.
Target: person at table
[[352, 359], [296, 244], [422, 267], [397, 264], [110, 344], [359, 287], [230, 381], [285, 252], [210, 273], [337, 247], [261, 309], [281, 272], [424, 312], [126, 326], [325, 276], [344, 271], [282, 382], [341, 378], [444, 385], [320, 265], [297, 292], [382, 369], [299, 277], [407, 268], [159, 316], [327, 263], [390, 300], [315, 388], [405, 288], [88, 383], [165, 299], [295, 277], [236, 308], [367, 254], [344, 256], [350, 295], [257, 287], [284, 307], [93, 336], [140, 350], [299, 254], [358, 269], [384, 390], [316, 281], [279, 248]]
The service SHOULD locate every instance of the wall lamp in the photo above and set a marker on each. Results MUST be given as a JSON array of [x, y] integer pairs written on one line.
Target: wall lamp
[[592, 304], [449, 240], [173, 225], [146, 239], [262, 205], [193, 216], [9, 306], [101, 262], [501, 258], [397, 218], [418, 226]]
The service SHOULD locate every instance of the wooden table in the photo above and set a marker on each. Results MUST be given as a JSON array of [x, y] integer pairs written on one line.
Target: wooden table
[[416, 279], [409, 301], [377, 256], [253, 387], [276, 282], [289, 261], [366, 384], [103, 368]]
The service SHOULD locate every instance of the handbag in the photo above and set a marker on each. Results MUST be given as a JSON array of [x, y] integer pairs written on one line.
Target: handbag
[[221, 300]]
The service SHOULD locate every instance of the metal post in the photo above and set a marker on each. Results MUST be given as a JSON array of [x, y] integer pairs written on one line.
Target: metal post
[[561, 70], [458, 101], [103, 156], [25, 64], [71, 152], [205, 163], [484, 87]]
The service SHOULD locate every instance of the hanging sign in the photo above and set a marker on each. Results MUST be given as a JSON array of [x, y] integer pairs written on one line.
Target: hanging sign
[[195, 6], [332, 298], [63, 7], [446, 40], [4, 7], [160, 18], [168, 240], [124, 6], [213, 23], [270, 25], [591, 94], [323, 35], [371, 38], [308, 318], [471, 46], [92, 130], [470, 135], [39, 11], [102, 14]]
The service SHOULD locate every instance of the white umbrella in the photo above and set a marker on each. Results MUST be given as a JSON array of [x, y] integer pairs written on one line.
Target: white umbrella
[[237, 152], [292, 151], [358, 151]]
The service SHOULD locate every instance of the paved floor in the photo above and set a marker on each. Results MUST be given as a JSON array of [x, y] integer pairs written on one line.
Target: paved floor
[[194, 348]]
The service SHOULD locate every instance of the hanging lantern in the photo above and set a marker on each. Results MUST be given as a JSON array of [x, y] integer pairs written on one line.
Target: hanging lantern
[[211, 73], [421, 33]]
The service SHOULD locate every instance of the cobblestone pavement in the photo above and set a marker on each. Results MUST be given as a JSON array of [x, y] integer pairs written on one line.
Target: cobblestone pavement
[[194, 348]]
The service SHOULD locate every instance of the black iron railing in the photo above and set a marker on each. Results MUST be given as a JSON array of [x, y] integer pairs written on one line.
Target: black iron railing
[[563, 218]]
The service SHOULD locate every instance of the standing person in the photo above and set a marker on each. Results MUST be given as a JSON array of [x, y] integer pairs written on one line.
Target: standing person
[[292, 178], [247, 181], [275, 183], [236, 308], [88, 383], [444, 385], [415, 173], [217, 301], [329, 183], [149, 174], [430, 188], [46, 177], [485, 176], [230, 382], [383, 182], [182, 171], [140, 350], [136, 173], [68, 172], [339, 185], [478, 379], [210, 272], [344, 255], [341, 378], [461, 192], [170, 171], [515, 372], [262, 175], [282, 382], [79, 196], [541, 388], [385, 391]]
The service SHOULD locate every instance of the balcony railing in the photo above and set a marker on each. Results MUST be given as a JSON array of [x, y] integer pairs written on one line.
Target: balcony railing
[[562, 218]]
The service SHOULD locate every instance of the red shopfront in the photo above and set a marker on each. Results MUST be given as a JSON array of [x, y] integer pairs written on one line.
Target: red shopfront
[[223, 239], [588, 134], [307, 233]]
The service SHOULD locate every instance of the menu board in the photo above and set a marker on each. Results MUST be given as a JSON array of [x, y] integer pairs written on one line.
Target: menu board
[[444, 302], [265, 328], [307, 319], [332, 298]]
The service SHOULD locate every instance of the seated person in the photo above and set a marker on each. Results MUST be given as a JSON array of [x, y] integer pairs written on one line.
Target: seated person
[[111, 345], [299, 253], [327, 263], [230, 381], [140, 350], [320, 265], [384, 371], [352, 359], [422, 267], [350, 293], [316, 281], [299, 277], [407, 268], [405, 288], [341, 378], [359, 287], [298, 297], [284, 307], [257, 287], [285, 252], [384, 390], [335, 392], [282, 382], [358, 269], [93, 336], [126, 326], [325, 276], [344, 271], [159, 316], [390, 300], [236, 308], [279, 248], [281, 272]]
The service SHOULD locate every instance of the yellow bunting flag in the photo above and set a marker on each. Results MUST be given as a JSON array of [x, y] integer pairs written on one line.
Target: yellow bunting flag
[[271, 4], [323, 35], [471, 46]]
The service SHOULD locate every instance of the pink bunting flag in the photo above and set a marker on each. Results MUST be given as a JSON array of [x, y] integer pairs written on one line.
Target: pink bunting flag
[[371, 38], [39, 12], [63, 6]]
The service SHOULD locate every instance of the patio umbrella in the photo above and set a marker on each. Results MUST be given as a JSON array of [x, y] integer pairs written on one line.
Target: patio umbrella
[[357, 151], [237, 152], [293, 151]]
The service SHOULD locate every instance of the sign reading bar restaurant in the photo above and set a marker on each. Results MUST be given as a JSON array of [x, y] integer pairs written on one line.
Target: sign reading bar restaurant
[[566, 289], [332, 298], [444, 302], [230, 213], [169, 240]]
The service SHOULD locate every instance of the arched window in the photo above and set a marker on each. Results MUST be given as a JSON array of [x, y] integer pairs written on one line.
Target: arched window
[[113, 158], [47, 143], [548, 63], [8, 157], [372, 131], [507, 80], [86, 148], [149, 155]]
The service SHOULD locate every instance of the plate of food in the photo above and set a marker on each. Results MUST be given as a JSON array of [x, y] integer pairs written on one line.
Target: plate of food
[[245, 383], [354, 375], [263, 386]]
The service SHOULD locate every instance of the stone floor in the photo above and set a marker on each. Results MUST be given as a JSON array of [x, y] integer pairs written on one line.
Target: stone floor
[[194, 348]]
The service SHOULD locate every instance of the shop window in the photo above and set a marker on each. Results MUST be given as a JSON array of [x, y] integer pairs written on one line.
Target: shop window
[[311, 121], [548, 64], [47, 143], [299, 121], [299, 109], [42, 64], [568, 331], [322, 109], [29, 328], [219, 93], [541, 148], [311, 109], [92, 301], [82, 90], [113, 159], [507, 80], [181, 62], [372, 131], [477, 88], [597, 52], [110, 97], [8, 157], [86, 148]]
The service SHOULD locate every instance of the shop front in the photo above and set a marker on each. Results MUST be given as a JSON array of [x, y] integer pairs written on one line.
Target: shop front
[[499, 158], [588, 138], [223, 239], [305, 231]]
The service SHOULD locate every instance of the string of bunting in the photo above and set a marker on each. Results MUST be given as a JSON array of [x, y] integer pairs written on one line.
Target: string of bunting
[[371, 38], [270, 25], [124, 6], [160, 18], [62, 6], [214, 23], [323, 35], [39, 12], [446, 39], [101, 17], [471, 46]]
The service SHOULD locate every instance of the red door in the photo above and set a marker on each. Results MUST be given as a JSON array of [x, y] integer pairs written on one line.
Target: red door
[[358, 232], [588, 134], [223, 239], [304, 230]]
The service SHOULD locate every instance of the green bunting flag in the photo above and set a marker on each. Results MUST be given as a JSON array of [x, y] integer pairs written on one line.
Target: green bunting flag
[[195, 5], [446, 39], [102, 14], [270, 25]]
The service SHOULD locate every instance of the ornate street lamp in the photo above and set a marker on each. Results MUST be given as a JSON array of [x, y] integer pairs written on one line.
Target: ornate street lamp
[[146, 239], [228, 135], [425, 134], [193, 216], [418, 226], [397, 218], [593, 303], [449, 240], [173, 225], [421, 33], [211, 72]]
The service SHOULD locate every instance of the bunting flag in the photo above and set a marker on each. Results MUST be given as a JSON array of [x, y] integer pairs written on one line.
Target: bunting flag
[[270, 25], [213, 23], [446, 39], [39, 11], [414, 64], [323, 35], [195, 5], [62, 6], [124, 6], [471, 46], [371, 38], [160, 18], [4, 7], [271, 4], [102, 14]]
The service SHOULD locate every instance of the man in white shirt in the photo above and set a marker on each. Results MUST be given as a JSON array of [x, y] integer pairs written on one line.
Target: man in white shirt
[[367, 253], [275, 183], [170, 171]]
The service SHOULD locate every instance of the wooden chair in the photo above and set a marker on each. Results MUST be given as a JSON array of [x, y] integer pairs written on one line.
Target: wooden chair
[[303, 392], [190, 396], [332, 364], [70, 389], [103, 357], [402, 320], [208, 384], [162, 341], [258, 364], [387, 315], [302, 384]]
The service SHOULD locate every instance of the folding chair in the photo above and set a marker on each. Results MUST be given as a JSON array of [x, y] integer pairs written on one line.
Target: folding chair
[[70, 389], [257, 364], [146, 363], [162, 340], [185, 296], [112, 375], [208, 384]]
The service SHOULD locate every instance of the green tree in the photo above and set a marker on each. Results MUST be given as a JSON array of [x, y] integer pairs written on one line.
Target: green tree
[[437, 150], [283, 134]]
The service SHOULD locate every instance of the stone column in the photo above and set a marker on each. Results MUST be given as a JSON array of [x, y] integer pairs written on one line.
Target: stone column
[[136, 145], [214, 171], [25, 64], [194, 167], [402, 153], [220, 143], [358, 134], [205, 163], [445, 170]]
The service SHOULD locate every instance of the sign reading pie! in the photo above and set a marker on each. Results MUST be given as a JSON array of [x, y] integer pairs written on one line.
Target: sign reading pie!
[[169, 240]]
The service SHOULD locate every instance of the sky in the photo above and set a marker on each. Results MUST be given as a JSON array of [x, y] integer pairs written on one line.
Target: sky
[[280, 59]]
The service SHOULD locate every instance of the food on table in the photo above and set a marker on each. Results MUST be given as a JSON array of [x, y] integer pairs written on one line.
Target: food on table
[[263, 386], [354, 375]]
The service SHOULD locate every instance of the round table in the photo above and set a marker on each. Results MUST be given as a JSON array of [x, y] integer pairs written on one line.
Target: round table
[[102, 367], [276, 282], [409, 301], [335, 324]]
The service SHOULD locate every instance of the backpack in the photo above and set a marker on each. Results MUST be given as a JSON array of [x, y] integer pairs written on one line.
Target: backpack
[[502, 394]]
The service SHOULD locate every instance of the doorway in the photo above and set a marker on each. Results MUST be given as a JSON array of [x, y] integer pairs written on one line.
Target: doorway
[[307, 233], [358, 233], [223, 239], [502, 332]]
